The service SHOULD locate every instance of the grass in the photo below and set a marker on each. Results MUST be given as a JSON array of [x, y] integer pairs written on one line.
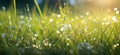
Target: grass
[[66, 33]]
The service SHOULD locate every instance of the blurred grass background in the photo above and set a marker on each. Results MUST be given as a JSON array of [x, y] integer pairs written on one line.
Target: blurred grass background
[[69, 31]]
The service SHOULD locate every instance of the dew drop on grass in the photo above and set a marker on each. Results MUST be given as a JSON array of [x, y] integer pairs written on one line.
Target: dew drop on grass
[[30, 25], [51, 20], [37, 46], [87, 13], [69, 26], [103, 23], [58, 31], [72, 19], [43, 21], [26, 17], [84, 40], [64, 4], [30, 18], [114, 19], [57, 22], [21, 16], [68, 44], [68, 39], [3, 8], [17, 44], [81, 16], [115, 9], [76, 17], [34, 45], [46, 44], [21, 22], [33, 39], [94, 20], [58, 15], [36, 19], [117, 44], [21, 38], [88, 47], [61, 35], [62, 29], [117, 12], [50, 44], [94, 38], [35, 35]]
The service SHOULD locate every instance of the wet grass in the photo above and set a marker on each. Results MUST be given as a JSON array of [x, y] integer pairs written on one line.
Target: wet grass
[[64, 33]]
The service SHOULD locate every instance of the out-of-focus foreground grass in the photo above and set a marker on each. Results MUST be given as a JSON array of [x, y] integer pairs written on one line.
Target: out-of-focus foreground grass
[[89, 33]]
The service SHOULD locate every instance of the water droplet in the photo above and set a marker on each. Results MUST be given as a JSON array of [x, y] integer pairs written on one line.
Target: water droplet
[[115, 9], [94, 20], [62, 29], [17, 44], [43, 21], [68, 39], [58, 15], [21, 22], [30, 18], [114, 19], [3, 8], [37, 46], [51, 20], [115, 46], [57, 22], [81, 16], [50, 44], [35, 35], [72, 19], [58, 31], [87, 13], [84, 40], [68, 44], [117, 12], [21, 16], [34, 45], [64, 3]]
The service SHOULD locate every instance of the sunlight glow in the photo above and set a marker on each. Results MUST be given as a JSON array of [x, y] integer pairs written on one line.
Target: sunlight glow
[[105, 2]]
